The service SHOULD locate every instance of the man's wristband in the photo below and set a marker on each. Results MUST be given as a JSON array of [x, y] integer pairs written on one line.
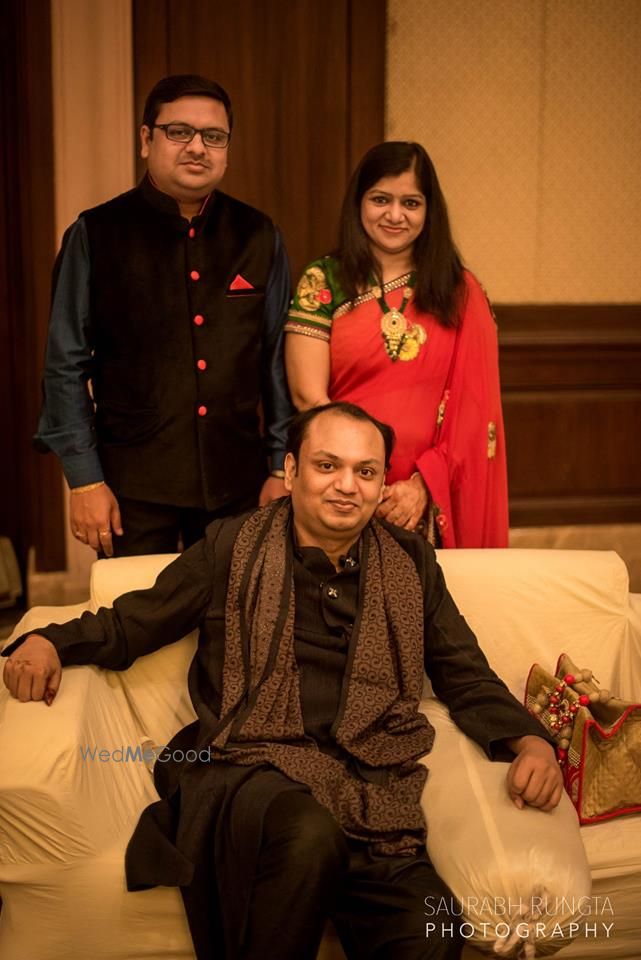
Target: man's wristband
[[280, 474], [87, 487]]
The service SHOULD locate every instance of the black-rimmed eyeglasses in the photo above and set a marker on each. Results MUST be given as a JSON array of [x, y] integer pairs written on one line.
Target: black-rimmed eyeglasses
[[184, 133]]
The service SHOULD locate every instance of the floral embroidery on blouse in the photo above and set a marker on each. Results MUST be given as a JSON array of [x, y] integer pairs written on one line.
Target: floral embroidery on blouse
[[312, 289]]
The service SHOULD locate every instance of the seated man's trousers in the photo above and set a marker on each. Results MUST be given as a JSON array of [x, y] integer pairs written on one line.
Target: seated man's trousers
[[308, 871]]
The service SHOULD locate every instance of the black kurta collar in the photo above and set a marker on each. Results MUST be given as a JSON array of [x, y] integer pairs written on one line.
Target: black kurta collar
[[316, 560]]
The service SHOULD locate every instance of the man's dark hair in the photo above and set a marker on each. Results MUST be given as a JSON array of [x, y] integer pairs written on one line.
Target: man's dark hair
[[300, 425], [183, 85], [439, 268]]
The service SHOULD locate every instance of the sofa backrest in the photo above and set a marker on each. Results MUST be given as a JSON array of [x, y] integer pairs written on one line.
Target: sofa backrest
[[523, 605], [532, 605]]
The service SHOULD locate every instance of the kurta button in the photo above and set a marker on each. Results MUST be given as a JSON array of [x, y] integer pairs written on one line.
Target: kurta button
[[202, 410], [192, 232], [202, 364], [332, 592], [194, 275], [199, 320]]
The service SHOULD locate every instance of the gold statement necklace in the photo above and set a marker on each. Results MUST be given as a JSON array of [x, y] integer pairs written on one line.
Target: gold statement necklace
[[403, 340]]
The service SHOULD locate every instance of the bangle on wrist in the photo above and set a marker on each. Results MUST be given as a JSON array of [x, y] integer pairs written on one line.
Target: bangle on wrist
[[279, 474], [88, 486]]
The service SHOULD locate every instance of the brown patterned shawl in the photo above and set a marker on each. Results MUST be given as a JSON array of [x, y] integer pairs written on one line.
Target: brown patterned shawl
[[378, 722]]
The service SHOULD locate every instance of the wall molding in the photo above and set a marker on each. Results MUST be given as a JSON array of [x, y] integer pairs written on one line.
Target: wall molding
[[569, 324]]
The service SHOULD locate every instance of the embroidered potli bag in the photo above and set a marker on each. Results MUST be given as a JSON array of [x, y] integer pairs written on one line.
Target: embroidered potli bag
[[598, 739]]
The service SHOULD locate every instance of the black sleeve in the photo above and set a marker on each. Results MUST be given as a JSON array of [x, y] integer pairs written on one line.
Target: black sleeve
[[141, 621], [478, 700], [277, 407]]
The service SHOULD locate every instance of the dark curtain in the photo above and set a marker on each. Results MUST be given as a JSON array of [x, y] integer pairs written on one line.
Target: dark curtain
[[31, 511]]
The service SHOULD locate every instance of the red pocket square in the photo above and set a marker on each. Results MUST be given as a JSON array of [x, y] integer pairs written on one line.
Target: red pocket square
[[239, 283]]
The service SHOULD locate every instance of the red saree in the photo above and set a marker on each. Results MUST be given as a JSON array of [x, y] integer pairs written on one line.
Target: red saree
[[460, 452]]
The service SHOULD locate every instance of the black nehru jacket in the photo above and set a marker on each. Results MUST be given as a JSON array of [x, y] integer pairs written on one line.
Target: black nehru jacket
[[177, 364]]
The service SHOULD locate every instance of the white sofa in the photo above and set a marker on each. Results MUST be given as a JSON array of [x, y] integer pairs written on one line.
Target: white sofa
[[65, 818]]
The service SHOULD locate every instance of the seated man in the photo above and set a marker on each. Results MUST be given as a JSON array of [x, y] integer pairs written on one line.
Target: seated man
[[316, 622]]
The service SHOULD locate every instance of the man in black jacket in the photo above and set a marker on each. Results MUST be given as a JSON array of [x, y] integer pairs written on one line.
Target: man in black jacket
[[316, 625], [170, 299]]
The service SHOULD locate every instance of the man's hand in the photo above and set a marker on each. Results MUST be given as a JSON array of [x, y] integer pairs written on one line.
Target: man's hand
[[33, 671], [534, 776], [404, 502], [272, 489], [93, 516]]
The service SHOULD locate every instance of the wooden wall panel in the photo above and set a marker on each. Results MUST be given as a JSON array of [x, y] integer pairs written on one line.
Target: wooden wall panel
[[30, 484], [571, 380], [307, 86]]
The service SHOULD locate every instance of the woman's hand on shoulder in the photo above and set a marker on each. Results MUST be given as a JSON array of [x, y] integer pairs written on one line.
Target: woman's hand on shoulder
[[404, 502]]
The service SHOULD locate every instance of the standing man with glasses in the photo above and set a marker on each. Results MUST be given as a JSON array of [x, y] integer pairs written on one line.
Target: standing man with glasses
[[165, 338]]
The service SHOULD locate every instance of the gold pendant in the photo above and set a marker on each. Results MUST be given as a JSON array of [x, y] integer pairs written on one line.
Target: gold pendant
[[393, 328], [393, 324]]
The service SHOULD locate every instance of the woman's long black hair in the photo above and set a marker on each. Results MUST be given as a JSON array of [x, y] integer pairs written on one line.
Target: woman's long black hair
[[439, 268]]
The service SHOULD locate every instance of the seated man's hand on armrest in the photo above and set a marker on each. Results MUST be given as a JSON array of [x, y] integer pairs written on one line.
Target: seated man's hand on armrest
[[534, 776], [33, 671]]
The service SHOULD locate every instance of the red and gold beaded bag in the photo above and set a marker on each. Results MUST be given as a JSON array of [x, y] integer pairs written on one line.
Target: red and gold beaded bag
[[598, 739]]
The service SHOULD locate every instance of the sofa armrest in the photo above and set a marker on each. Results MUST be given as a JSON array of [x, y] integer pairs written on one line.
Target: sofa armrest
[[497, 859], [60, 798], [155, 685]]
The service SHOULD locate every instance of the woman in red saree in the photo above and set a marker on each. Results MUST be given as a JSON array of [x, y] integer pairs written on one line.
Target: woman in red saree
[[394, 323]]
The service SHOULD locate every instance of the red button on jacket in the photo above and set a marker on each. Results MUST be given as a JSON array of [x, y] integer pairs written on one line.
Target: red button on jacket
[[194, 275], [192, 232], [199, 319], [202, 364], [202, 411]]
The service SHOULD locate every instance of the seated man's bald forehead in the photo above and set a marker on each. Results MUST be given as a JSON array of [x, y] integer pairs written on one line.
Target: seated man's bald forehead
[[340, 435]]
